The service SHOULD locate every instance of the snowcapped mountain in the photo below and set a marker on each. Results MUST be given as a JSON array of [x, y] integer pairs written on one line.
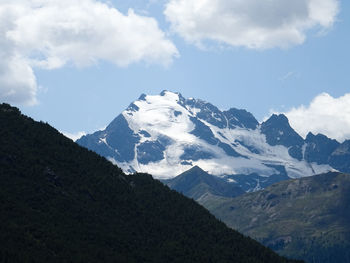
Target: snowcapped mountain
[[166, 134]]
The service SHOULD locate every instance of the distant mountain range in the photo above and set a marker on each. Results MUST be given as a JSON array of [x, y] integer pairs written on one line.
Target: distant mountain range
[[167, 134], [60, 202]]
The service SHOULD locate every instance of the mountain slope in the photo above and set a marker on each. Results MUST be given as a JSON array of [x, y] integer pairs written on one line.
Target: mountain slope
[[196, 183], [278, 132], [319, 148], [340, 157], [168, 134], [62, 203], [307, 218]]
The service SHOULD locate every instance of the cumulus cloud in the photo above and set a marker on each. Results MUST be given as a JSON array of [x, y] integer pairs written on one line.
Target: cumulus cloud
[[250, 23], [52, 33], [325, 114]]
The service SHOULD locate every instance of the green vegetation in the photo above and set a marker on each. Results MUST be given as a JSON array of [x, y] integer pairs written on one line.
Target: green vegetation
[[307, 218], [60, 202]]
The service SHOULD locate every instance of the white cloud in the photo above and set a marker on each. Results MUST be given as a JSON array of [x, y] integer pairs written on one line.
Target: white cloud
[[325, 114], [250, 23], [17, 81], [51, 33]]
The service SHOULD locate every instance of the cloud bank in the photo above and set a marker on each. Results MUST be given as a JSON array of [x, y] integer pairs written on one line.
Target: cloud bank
[[253, 24], [325, 114], [52, 33]]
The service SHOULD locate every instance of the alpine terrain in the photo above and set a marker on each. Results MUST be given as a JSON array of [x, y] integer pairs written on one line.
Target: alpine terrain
[[167, 134], [306, 218]]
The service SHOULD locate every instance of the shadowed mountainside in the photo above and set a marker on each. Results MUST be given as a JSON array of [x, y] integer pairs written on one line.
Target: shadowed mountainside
[[306, 218]]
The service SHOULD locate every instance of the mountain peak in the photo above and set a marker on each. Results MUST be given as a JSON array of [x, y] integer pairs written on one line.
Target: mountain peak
[[278, 118], [196, 183], [319, 147], [241, 118], [278, 132], [164, 92], [171, 94], [196, 169], [142, 96], [312, 137]]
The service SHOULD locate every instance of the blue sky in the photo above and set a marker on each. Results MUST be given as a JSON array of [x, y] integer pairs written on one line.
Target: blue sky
[[279, 71]]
